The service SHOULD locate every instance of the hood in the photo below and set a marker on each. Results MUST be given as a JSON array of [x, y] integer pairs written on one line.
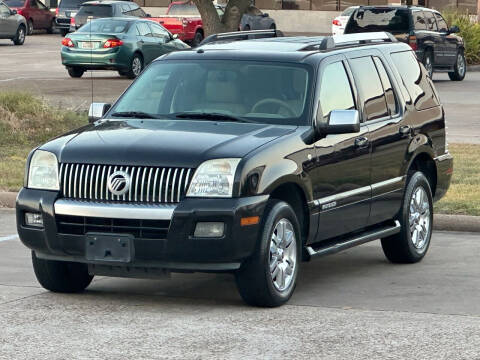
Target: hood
[[173, 143]]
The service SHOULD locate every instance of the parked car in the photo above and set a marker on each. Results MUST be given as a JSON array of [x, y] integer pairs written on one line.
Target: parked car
[[425, 30], [64, 13], [103, 9], [122, 44], [182, 18], [12, 25], [233, 159], [38, 16], [338, 24]]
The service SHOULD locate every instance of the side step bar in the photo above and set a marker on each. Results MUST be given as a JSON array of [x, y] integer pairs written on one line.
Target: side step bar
[[349, 243]]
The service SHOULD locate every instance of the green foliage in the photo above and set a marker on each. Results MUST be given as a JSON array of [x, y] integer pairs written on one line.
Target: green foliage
[[469, 31]]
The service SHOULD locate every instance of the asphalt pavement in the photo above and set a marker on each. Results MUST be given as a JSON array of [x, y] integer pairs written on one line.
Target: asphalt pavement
[[36, 67], [352, 305]]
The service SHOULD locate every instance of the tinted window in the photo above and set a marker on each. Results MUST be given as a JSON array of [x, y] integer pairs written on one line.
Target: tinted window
[[441, 23], [183, 9], [144, 29], [348, 11], [379, 19], [33, 4], [71, 4], [335, 90], [387, 87], [4, 10], [431, 24], [96, 10], [15, 3], [105, 26], [138, 12], [159, 31], [419, 21], [418, 84], [371, 90]]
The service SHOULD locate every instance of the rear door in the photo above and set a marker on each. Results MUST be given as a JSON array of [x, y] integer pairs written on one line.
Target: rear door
[[341, 178]]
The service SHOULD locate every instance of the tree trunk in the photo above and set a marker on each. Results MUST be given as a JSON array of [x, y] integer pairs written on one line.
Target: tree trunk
[[212, 24]]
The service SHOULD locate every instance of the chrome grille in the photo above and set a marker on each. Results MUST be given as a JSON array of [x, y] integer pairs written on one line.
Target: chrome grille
[[147, 184]]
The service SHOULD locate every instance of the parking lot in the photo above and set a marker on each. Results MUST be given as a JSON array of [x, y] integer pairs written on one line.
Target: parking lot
[[36, 67]]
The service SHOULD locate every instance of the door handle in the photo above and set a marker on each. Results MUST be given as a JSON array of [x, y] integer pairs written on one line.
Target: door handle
[[361, 142], [405, 130]]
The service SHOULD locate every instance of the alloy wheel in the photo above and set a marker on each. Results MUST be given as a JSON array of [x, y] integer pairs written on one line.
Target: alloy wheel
[[21, 35], [137, 66], [460, 64], [429, 65], [419, 218], [283, 255]]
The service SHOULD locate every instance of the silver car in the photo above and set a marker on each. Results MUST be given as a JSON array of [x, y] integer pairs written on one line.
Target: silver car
[[254, 19], [12, 25]]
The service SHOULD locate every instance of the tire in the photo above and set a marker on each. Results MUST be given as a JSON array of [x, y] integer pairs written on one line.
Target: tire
[[52, 27], [416, 214], [19, 38], [122, 73], [257, 284], [246, 28], [273, 27], [428, 62], [30, 27], [136, 67], [61, 276], [64, 32], [197, 39], [75, 72], [459, 69]]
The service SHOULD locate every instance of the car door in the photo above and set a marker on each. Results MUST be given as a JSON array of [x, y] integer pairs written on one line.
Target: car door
[[449, 41], [35, 14], [162, 37], [341, 177], [438, 40], [389, 135], [147, 43], [8, 22]]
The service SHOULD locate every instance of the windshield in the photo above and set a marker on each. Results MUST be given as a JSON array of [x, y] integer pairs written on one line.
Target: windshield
[[96, 10], [183, 9], [379, 19], [264, 92], [104, 26], [15, 3], [71, 4]]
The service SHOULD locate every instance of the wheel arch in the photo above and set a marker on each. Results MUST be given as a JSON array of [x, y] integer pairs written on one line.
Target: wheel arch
[[423, 161]]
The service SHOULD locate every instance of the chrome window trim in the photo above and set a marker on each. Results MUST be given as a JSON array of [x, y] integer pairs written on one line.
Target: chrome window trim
[[114, 210]]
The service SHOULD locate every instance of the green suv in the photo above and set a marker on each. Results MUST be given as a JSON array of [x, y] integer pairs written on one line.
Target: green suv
[[126, 45]]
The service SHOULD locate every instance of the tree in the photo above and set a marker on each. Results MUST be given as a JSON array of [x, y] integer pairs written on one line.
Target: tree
[[230, 21]]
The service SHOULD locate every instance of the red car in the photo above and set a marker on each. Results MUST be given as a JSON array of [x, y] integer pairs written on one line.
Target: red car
[[38, 16]]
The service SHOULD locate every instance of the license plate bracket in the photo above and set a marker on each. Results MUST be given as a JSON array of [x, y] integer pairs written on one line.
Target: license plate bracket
[[118, 248]]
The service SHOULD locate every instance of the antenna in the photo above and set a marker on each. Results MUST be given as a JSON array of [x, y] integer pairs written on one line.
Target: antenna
[[89, 19]]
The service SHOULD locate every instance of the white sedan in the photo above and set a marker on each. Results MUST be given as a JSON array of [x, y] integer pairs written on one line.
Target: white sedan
[[339, 23]]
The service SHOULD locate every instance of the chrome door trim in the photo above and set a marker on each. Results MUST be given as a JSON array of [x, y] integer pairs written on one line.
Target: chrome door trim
[[114, 210], [387, 182]]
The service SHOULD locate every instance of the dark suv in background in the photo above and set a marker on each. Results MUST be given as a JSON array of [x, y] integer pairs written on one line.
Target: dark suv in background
[[425, 30]]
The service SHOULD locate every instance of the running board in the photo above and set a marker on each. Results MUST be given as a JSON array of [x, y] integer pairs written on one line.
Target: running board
[[349, 243]]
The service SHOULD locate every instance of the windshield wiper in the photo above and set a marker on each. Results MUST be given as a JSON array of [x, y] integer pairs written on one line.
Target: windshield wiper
[[210, 116], [135, 114]]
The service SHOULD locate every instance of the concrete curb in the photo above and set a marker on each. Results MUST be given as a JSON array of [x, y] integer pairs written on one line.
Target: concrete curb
[[473, 68], [441, 222]]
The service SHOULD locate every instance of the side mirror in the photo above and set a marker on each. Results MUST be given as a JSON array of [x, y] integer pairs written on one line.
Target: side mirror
[[174, 36], [148, 15], [265, 15], [341, 122], [13, 12], [97, 110], [453, 30]]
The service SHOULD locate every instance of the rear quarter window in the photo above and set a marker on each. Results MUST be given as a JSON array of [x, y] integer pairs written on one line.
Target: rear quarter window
[[415, 79], [392, 20], [96, 10]]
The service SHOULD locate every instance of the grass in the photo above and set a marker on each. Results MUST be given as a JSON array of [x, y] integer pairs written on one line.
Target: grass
[[26, 122]]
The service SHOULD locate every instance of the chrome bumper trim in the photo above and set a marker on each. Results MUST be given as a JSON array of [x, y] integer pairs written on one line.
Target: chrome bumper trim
[[443, 157], [113, 210]]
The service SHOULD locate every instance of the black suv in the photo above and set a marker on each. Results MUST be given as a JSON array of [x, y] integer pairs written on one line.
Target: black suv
[[243, 157], [425, 30]]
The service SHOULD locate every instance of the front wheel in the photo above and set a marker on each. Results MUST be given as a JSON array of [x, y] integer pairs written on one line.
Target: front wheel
[[416, 219], [75, 72], [30, 27], [428, 63], [136, 67], [197, 39], [53, 26], [459, 69], [61, 276], [269, 277], [19, 38]]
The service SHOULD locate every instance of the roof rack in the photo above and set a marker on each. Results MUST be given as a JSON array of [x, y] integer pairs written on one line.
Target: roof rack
[[349, 40], [242, 35]]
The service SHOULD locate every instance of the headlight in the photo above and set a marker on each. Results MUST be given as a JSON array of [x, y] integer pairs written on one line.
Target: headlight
[[43, 171], [214, 178]]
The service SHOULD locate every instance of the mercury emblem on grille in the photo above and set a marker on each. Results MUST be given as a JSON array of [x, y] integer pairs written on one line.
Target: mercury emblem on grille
[[119, 183]]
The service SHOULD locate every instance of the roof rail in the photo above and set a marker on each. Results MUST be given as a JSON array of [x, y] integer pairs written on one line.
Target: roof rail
[[242, 35], [349, 40]]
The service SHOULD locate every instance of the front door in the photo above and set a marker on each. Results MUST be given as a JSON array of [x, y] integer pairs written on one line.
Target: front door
[[8, 22], [147, 42], [341, 179], [450, 41]]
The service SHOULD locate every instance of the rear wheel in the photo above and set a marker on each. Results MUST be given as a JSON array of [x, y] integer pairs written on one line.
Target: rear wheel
[[416, 218], [75, 72], [428, 62], [246, 28], [197, 39], [63, 32], [61, 276], [30, 27], [136, 67], [52, 27], [273, 27], [19, 38], [459, 69], [269, 277]]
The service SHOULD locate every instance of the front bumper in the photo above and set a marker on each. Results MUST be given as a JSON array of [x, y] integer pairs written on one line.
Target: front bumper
[[178, 250], [444, 165]]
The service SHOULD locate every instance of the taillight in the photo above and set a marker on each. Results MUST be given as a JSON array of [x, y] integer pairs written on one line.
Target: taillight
[[336, 22], [67, 42], [56, 11], [412, 41], [72, 21], [111, 43]]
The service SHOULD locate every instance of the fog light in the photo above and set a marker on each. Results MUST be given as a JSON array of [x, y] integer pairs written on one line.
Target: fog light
[[34, 219], [209, 229]]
